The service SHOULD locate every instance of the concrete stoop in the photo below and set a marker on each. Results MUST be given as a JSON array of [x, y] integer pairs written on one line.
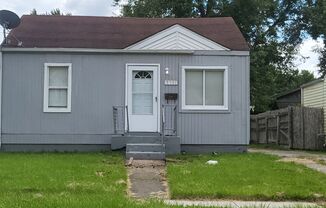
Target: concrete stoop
[[148, 143]]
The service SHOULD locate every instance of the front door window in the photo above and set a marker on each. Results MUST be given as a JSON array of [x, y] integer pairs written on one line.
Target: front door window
[[142, 93]]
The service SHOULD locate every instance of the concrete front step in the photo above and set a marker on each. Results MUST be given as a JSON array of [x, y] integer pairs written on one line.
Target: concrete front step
[[118, 142], [143, 134], [145, 147], [144, 139], [146, 155], [172, 143]]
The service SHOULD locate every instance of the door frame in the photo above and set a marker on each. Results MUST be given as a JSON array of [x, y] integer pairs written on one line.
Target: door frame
[[158, 90]]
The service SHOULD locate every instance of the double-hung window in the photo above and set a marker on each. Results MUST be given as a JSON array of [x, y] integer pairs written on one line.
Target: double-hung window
[[57, 87], [205, 88]]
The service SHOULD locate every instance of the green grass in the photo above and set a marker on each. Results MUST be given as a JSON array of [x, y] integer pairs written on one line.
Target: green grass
[[65, 180], [98, 180], [244, 177]]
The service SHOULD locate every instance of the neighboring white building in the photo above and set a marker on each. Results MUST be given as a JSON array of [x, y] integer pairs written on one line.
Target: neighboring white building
[[313, 94]]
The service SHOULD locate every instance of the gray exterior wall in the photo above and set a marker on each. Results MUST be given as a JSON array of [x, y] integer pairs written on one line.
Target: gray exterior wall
[[98, 83]]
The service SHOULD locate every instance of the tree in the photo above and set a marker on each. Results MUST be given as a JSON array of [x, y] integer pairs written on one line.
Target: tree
[[322, 60], [315, 16], [273, 29], [157, 8], [33, 12], [54, 12]]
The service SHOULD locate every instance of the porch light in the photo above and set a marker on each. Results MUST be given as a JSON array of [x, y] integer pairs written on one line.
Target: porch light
[[166, 70]]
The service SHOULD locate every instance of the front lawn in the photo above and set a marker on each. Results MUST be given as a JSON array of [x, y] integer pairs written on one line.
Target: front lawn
[[87, 180], [243, 176], [64, 180]]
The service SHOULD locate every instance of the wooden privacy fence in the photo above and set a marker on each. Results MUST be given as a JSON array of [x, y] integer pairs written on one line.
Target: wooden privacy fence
[[293, 127]]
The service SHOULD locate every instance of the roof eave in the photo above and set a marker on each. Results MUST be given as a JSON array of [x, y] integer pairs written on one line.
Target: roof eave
[[312, 83], [97, 50]]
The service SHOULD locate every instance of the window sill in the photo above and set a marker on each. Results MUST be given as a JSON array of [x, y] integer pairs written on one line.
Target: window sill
[[56, 110]]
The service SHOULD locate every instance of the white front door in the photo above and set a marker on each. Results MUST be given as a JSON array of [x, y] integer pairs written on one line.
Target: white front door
[[142, 97]]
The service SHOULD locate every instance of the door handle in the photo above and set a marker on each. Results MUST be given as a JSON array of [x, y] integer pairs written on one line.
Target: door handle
[[156, 99]]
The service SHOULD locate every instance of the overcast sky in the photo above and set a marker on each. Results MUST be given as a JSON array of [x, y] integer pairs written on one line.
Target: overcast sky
[[106, 8]]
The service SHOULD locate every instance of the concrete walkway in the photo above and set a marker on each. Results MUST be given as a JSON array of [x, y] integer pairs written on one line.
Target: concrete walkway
[[147, 179], [311, 160], [237, 204]]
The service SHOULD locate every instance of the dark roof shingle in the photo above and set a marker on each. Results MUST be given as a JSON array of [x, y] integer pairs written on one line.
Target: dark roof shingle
[[116, 32]]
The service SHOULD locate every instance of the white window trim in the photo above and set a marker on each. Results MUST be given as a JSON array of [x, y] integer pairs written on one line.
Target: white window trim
[[46, 107], [224, 107]]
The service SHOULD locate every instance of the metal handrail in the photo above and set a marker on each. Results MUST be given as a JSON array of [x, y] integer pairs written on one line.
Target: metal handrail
[[115, 110], [175, 119], [170, 119], [120, 119], [163, 128], [127, 115]]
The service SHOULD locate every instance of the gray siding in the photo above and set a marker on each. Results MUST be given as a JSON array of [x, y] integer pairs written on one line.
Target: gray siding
[[98, 83], [220, 127]]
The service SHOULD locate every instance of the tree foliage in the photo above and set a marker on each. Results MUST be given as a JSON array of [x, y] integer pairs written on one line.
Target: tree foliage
[[315, 13], [272, 28], [33, 12], [54, 12]]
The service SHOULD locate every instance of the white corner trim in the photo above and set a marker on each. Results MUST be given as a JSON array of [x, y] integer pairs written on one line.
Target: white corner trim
[[224, 107], [46, 107], [177, 37]]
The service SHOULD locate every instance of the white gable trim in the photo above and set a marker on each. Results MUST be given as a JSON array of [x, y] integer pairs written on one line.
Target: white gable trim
[[177, 37]]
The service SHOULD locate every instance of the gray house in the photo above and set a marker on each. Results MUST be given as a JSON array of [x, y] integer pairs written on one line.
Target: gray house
[[154, 86]]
